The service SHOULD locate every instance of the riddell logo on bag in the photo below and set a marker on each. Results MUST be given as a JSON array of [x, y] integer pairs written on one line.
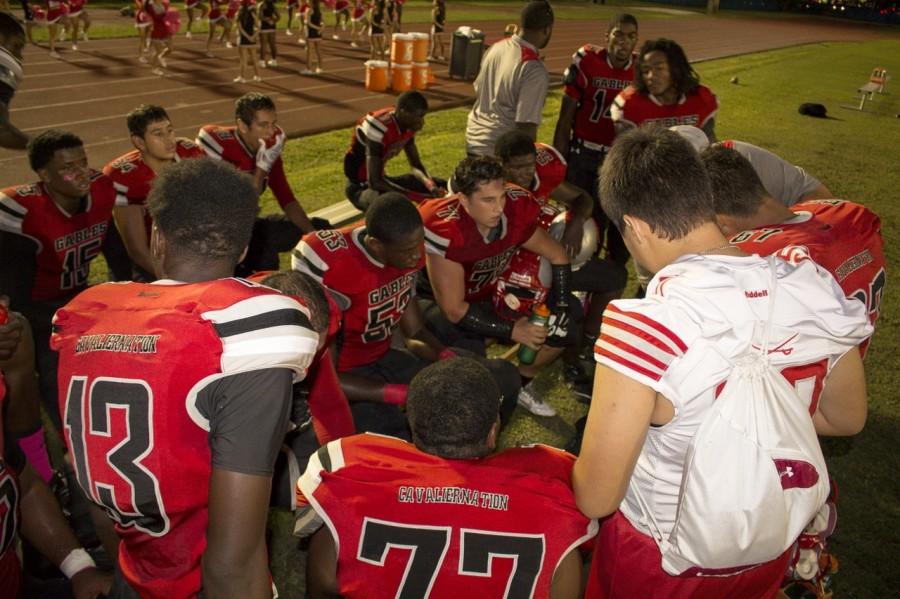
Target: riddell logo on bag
[[757, 294]]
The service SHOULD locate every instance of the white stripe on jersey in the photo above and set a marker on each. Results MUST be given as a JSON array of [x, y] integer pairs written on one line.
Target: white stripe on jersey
[[273, 346], [121, 194], [617, 111], [12, 214], [373, 129], [435, 244], [209, 144], [309, 262], [286, 346], [309, 482]]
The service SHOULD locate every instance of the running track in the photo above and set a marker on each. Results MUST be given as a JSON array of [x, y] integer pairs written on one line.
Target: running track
[[90, 91]]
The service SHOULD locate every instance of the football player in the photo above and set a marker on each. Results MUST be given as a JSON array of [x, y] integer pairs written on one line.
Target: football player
[[371, 270], [470, 237], [662, 361], [177, 394], [584, 131], [443, 516], [843, 237], [541, 169], [377, 138], [254, 145], [28, 507], [666, 92], [156, 147], [50, 231]]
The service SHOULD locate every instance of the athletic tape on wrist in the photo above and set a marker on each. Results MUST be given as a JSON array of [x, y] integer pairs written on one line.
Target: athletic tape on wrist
[[75, 562]]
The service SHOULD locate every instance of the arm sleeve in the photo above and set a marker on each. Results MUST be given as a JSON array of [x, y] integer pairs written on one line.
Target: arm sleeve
[[17, 275], [532, 93], [784, 181], [248, 418], [278, 182]]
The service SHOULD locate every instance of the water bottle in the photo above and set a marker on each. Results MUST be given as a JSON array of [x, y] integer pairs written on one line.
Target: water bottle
[[540, 316]]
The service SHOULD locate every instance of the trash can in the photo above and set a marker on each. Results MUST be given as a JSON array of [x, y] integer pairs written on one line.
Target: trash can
[[466, 50]]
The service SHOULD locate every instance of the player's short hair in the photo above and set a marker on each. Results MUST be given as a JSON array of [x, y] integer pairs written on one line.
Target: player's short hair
[[307, 290], [622, 18], [655, 175], [140, 118], [452, 405], [412, 101], [246, 107], [536, 15], [512, 144], [42, 147], [684, 77], [391, 217], [474, 171], [204, 207], [736, 188], [10, 26]]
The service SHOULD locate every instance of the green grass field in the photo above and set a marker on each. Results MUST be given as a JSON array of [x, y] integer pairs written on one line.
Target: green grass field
[[854, 153]]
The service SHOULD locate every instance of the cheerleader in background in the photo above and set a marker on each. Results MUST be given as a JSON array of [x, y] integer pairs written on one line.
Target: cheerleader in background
[[438, 19], [247, 29], [142, 22], [358, 22], [341, 16], [268, 17], [217, 19], [57, 22], [160, 36], [292, 5], [314, 24], [191, 6], [376, 30], [78, 15]]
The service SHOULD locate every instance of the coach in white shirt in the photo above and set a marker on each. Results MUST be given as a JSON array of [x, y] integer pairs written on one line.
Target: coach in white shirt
[[512, 86]]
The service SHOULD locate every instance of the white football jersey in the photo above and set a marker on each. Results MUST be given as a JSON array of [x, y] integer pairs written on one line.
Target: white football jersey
[[699, 314]]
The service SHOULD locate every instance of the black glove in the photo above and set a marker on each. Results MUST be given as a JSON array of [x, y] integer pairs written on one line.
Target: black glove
[[558, 301]]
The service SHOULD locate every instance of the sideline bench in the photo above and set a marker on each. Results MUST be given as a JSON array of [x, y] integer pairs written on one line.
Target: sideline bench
[[338, 214], [876, 83]]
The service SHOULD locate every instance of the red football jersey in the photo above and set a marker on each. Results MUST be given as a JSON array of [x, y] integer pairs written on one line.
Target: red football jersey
[[549, 171], [842, 237], [382, 128], [66, 243], [410, 524], [696, 108], [132, 177], [135, 364], [224, 143], [372, 296], [519, 289], [451, 233], [10, 568], [593, 82]]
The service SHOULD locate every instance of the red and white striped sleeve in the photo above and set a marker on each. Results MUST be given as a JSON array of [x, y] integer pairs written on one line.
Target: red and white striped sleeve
[[637, 344]]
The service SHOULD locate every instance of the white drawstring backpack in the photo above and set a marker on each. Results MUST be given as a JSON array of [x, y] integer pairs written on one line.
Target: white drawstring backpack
[[754, 475]]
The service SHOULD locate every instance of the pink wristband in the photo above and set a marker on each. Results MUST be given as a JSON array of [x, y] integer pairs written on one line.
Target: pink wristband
[[446, 354], [36, 451], [395, 394]]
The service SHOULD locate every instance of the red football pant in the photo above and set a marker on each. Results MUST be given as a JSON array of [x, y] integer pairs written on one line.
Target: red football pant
[[626, 565]]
